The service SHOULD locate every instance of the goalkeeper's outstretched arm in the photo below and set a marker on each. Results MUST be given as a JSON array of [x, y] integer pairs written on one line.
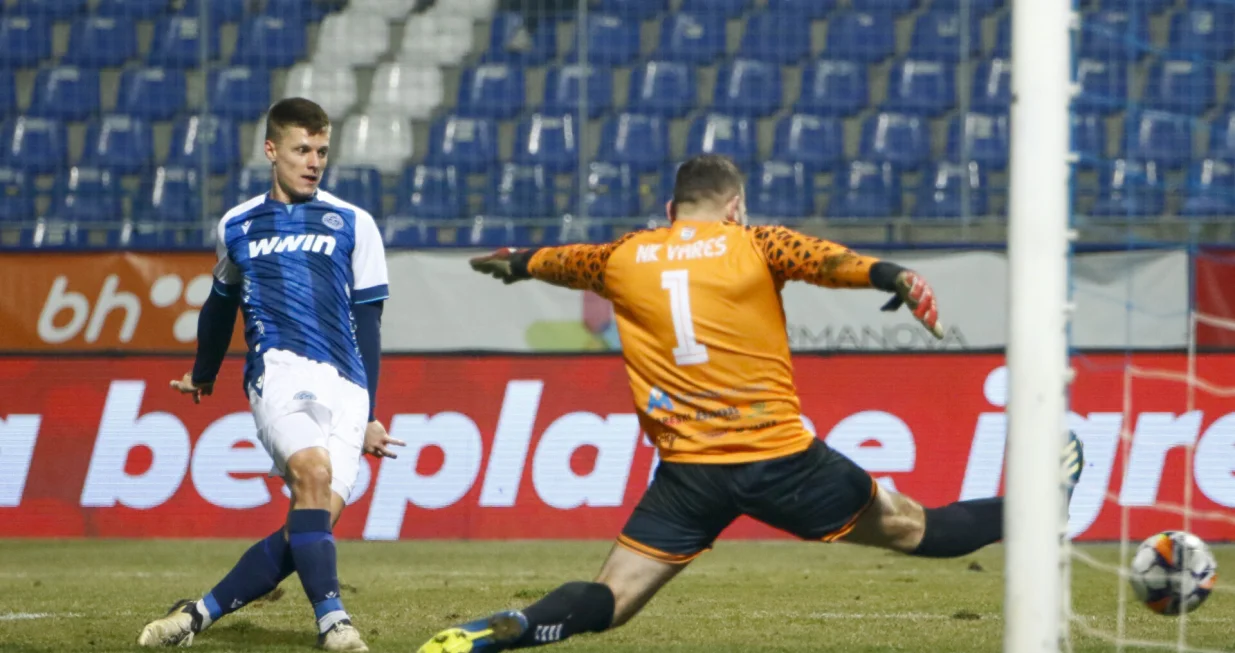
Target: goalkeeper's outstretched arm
[[580, 266]]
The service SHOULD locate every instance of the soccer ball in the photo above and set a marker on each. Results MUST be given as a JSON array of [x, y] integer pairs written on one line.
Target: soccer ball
[[1173, 572]]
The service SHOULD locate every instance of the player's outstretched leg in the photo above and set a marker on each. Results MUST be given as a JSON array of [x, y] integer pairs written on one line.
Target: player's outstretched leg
[[626, 582], [258, 572]]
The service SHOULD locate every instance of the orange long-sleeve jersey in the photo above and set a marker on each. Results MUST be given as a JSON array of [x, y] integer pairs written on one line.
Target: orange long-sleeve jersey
[[702, 326]]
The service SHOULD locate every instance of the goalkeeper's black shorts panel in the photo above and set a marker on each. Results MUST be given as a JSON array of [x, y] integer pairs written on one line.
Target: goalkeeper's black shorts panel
[[816, 494]]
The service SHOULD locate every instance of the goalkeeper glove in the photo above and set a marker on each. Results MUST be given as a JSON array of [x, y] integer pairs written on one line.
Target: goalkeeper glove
[[913, 290], [508, 264]]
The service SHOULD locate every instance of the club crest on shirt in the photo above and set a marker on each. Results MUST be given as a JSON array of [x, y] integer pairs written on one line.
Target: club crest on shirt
[[688, 233], [332, 220]]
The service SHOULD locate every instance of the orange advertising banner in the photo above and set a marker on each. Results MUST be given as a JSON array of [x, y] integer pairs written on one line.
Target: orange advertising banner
[[104, 302]]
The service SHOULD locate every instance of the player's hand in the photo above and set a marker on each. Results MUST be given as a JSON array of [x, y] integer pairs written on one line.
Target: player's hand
[[497, 265], [377, 441], [186, 386], [912, 289]]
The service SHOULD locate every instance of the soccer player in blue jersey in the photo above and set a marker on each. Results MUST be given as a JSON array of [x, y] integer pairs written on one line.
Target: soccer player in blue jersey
[[308, 272]]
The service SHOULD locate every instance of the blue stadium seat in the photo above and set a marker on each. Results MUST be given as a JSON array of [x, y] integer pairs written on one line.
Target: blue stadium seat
[[170, 194], [550, 141], [239, 92], [246, 184], [747, 87], [1210, 189], [781, 189], [432, 192], [692, 38], [803, 9], [1147, 6], [1129, 189], [1222, 138], [665, 88], [24, 40], [221, 11], [937, 35], [16, 195], [120, 143], [885, 6], [1113, 34], [1104, 86], [562, 89], [36, 145], [833, 87], [502, 34], [99, 41], [1207, 33], [1180, 85], [640, 141], [716, 133], [493, 90], [521, 192], [727, 8], [612, 40], [1003, 38], [989, 139], [668, 179], [635, 9], [268, 42], [868, 37], [897, 138], [941, 195], [50, 8], [86, 194], [612, 190], [467, 144], [8, 92], [918, 86], [300, 10], [177, 42], [151, 93], [65, 93], [992, 86], [776, 37], [1165, 138], [357, 185], [976, 7], [1088, 138], [137, 9], [189, 136], [815, 141], [868, 190]]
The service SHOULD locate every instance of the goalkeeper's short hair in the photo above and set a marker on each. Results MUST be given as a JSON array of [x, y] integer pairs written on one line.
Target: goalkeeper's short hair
[[295, 112], [708, 177]]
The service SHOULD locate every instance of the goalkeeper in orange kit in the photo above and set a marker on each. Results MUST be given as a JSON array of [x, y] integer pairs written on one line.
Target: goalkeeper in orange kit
[[699, 311]]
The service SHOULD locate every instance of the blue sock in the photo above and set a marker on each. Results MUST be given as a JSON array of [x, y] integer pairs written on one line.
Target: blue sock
[[313, 550], [258, 572]]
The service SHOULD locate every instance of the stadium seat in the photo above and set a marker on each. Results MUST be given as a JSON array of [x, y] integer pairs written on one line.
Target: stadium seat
[[468, 144], [191, 136], [521, 192], [65, 93], [1180, 85], [1164, 138], [1003, 38], [247, 183], [151, 93], [814, 141], [406, 88], [728, 8], [780, 189], [867, 190], [239, 92], [976, 7], [8, 93], [833, 87], [268, 42], [390, 10], [100, 41], [297, 10], [715, 133], [492, 91], [612, 40], [776, 37], [634, 9], [357, 185], [867, 37], [119, 143], [885, 6], [1210, 189], [1147, 6], [988, 136], [992, 86], [1113, 34], [692, 38], [24, 40], [803, 9], [352, 38], [436, 39], [177, 43], [50, 8], [332, 87], [665, 88], [16, 195], [747, 87], [171, 194], [504, 30], [1222, 138], [221, 11], [35, 145], [897, 138], [612, 190], [941, 195], [640, 141], [1104, 86], [562, 89], [382, 141], [1088, 138], [431, 192], [549, 141], [937, 35], [85, 194], [917, 86], [136, 9], [1207, 33], [1129, 189]]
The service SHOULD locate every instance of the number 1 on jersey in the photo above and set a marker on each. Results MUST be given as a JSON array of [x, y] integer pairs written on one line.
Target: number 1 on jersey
[[689, 351]]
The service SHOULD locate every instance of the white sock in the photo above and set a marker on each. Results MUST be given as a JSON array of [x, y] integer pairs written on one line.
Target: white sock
[[328, 620], [199, 607]]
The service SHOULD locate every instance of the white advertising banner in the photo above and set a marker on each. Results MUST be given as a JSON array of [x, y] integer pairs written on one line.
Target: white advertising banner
[[1122, 299]]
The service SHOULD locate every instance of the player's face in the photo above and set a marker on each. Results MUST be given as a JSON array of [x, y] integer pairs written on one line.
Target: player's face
[[299, 160]]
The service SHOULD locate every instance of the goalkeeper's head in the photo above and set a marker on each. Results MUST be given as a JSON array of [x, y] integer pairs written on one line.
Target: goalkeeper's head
[[297, 143], [709, 187]]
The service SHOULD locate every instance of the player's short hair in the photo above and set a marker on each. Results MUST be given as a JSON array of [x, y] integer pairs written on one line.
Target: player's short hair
[[296, 112], [708, 177]]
